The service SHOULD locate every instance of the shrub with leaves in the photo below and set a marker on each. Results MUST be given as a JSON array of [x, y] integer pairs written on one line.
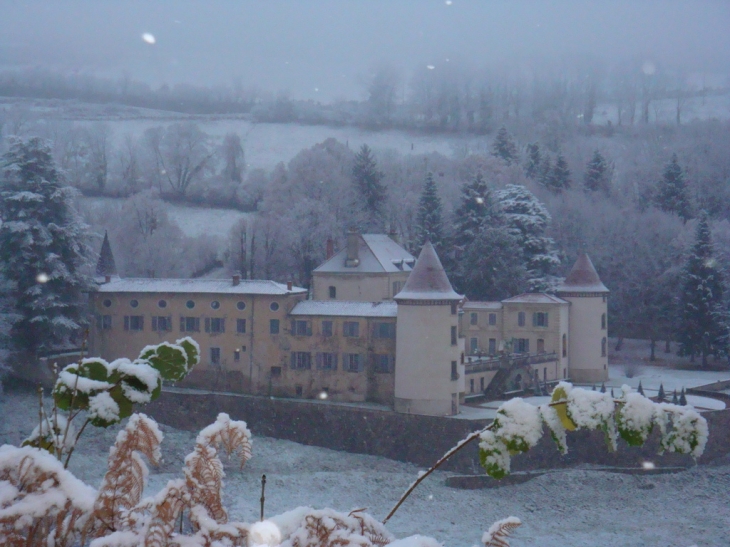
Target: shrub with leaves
[[107, 392]]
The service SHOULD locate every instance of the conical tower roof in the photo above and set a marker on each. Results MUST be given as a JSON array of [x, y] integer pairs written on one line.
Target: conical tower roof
[[106, 265], [428, 280], [583, 277]]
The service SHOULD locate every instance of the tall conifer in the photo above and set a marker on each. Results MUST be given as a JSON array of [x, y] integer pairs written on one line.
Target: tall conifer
[[504, 147], [368, 183], [430, 226], [672, 193]]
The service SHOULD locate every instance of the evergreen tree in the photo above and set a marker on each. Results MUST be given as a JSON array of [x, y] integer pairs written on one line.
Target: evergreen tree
[[597, 176], [662, 397], [672, 194], [106, 266], [429, 221], [476, 208], [528, 220], [603, 387], [533, 165], [43, 249], [683, 399], [504, 147], [702, 328], [558, 178], [675, 399], [641, 389], [368, 183]]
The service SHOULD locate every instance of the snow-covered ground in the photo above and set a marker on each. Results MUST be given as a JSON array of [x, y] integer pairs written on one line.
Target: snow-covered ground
[[193, 221], [575, 508]]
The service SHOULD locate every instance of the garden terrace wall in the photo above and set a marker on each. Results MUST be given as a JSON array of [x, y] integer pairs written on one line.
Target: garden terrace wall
[[420, 440]]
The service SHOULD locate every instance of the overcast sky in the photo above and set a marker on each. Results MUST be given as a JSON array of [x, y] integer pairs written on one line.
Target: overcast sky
[[323, 48]]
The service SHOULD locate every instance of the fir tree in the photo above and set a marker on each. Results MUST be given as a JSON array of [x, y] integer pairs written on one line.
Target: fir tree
[[603, 387], [43, 248], [675, 400], [672, 194], [533, 166], [429, 221], [106, 266], [682, 399], [368, 183], [641, 389], [702, 327], [662, 397], [597, 176], [504, 147], [476, 208], [559, 177], [612, 395], [528, 220]]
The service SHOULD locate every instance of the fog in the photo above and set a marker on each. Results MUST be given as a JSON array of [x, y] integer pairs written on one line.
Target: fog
[[324, 49]]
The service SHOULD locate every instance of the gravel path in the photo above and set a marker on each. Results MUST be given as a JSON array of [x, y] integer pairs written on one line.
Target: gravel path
[[578, 507]]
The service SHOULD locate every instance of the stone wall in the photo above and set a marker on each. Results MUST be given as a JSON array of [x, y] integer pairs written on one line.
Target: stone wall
[[421, 440]]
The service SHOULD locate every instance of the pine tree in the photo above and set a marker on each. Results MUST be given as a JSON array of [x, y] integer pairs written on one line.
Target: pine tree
[[675, 400], [528, 220], [672, 194], [533, 165], [641, 389], [106, 266], [597, 176], [429, 221], [603, 387], [662, 397], [559, 177], [702, 327], [504, 147], [476, 208], [43, 248], [682, 399], [368, 183]]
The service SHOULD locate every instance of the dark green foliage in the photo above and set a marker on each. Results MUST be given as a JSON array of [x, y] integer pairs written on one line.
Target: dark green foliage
[[675, 399], [368, 183], [106, 265], [682, 399], [662, 397], [533, 165], [504, 147], [476, 209], [603, 387], [672, 193], [43, 248], [641, 389], [429, 220], [702, 329], [597, 177], [558, 178]]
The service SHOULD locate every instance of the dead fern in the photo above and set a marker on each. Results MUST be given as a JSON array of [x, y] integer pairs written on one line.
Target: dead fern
[[498, 533], [327, 528], [232, 435], [123, 484], [204, 480], [166, 508]]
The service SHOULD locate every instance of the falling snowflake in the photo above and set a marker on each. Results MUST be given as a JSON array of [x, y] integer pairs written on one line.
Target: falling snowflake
[[42, 278], [148, 38]]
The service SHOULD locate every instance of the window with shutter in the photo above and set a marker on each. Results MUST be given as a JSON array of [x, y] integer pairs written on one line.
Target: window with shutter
[[154, 323], [241, 326], [126, 322], [106, 322]]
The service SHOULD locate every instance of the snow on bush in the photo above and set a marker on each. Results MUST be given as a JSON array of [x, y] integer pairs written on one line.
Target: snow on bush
[[498, 533], [635, 417]]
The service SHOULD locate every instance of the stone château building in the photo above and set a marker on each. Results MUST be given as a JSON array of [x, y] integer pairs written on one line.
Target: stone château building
[[380, 326]]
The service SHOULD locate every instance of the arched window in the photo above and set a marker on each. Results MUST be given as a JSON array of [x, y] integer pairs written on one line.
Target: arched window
[[565, 345], [603, 347], [603, 321]]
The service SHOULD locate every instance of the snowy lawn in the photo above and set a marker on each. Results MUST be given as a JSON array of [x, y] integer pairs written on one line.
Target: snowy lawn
[[576, 508]]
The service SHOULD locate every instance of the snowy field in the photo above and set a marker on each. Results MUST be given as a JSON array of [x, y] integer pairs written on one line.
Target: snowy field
[[576, 508], [193, 221]]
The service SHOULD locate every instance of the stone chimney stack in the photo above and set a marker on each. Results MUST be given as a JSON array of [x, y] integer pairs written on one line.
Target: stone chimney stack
[[353, 249], [107, 278], [289, 285], [330, 248], [236, 279]]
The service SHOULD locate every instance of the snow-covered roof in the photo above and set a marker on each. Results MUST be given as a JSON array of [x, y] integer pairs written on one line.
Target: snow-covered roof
[[217, 286], [583, 277], [346, 308], [534, 298], [482, 305], [428, 280], [378, 253]]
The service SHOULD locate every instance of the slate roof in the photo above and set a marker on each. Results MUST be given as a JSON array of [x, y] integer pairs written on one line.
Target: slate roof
[[346, 308], [210, 286], [534, 298], [378, 253], [428, 280], [582, 278]]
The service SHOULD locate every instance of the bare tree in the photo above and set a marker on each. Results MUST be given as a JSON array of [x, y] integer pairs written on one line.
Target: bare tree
[[98, 139], [382, 89], [234, 165]]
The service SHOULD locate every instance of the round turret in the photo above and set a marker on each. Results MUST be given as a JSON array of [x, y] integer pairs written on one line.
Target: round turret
[[429, 375], [588, 324]]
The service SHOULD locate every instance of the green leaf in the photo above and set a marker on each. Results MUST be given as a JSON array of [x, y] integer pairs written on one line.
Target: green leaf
[[168, 360], [192, 351]]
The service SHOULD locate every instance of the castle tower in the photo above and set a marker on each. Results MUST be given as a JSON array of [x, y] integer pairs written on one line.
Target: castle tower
[[429, 375], [588, 323]]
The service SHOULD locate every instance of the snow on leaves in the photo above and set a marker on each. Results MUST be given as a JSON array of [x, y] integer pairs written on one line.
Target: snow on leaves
[[519, 425]]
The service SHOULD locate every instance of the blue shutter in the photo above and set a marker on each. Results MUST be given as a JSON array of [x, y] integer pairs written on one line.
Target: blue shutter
[[126, 322], [154, 322]]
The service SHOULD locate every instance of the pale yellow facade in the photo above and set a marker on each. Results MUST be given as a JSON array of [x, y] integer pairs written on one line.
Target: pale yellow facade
[[371, 287]]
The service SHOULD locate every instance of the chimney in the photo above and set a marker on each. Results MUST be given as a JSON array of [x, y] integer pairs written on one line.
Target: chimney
[[353, 249], [236, 279], [330, 248], [392, 234], [289, 286]]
